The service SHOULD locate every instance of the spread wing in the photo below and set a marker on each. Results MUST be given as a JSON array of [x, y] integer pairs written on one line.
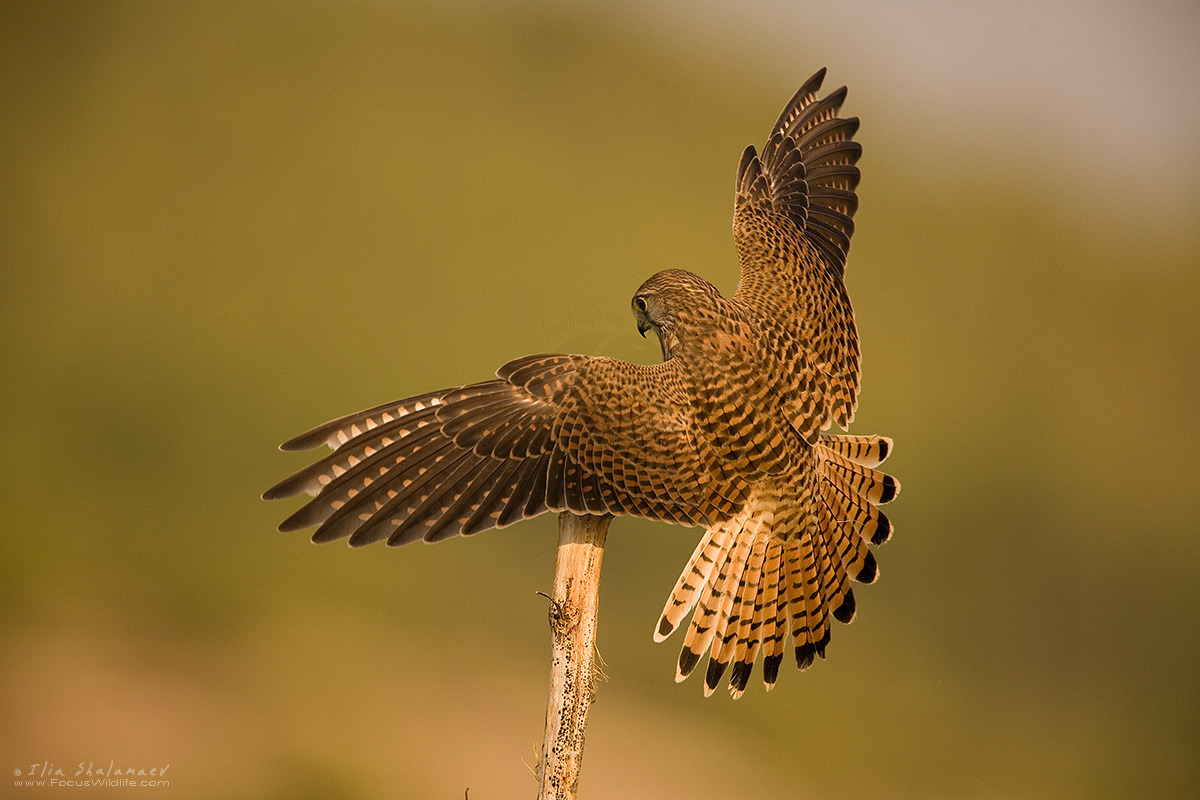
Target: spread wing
[[793, 219], [554, 433]]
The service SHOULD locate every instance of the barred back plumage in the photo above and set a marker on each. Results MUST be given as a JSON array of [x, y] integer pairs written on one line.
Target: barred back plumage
[[727, 432]]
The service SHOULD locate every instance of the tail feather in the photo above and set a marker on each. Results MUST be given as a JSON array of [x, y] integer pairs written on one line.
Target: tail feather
[[877, 487], [844, 537], [835, 584], [814, 599], [855, 514], [726, 622], [783, 566], [750, 618], [800, 577], [870, 451], [733, 629], [837, 579], [693, 578], [712, 610], [701, 624], [774, 596]]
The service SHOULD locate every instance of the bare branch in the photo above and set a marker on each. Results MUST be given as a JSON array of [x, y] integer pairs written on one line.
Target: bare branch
[[573, 609]]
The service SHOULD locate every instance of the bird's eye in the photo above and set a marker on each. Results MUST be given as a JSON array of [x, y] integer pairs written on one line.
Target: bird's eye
[[639, 303]]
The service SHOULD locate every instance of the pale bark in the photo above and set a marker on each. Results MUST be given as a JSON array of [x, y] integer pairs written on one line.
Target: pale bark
[[573, 608]]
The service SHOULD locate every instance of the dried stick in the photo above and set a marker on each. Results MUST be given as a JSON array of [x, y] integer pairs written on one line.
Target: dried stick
[[573, 668]]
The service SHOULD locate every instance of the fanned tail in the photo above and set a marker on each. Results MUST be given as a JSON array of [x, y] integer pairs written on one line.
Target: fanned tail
[[783, 563]]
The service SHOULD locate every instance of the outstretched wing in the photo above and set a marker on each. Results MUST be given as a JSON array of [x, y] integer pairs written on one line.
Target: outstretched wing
[[793, 219], [554, 433]]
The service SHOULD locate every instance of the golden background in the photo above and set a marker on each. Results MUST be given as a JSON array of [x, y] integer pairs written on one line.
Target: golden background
[[222, 223]]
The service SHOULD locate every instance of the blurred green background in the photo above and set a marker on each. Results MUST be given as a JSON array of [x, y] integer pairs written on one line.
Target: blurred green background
[[223, 223]]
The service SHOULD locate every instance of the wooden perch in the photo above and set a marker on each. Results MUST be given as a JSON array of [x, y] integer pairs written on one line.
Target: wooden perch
[[573, 610]]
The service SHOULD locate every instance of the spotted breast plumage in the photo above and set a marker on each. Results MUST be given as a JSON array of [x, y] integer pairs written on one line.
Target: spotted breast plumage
[[729, 432]]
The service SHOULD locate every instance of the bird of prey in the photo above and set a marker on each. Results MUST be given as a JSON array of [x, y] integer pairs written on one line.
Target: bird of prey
[[728, 432]]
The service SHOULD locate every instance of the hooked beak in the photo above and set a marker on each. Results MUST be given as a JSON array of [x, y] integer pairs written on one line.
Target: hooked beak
[[643, 326]]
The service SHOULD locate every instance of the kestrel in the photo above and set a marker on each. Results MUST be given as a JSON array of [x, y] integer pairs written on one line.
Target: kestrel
[[728, 432]]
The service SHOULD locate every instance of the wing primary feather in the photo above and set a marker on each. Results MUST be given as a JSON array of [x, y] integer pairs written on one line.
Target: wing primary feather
[[355, 489], [394, 521], [416, 474], [450, 521], [539, 490], [487, 514], [367, 449], [523, 492], [331, 432], [802, 97]]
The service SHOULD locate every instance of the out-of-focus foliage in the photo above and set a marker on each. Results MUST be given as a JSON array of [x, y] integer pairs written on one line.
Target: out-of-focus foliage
[[223, 223]]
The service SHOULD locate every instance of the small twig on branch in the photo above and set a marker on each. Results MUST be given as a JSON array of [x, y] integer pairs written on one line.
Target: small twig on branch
[[573, 608]]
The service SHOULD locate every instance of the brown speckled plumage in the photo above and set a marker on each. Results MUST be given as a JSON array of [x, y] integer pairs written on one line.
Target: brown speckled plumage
[[727, 432]]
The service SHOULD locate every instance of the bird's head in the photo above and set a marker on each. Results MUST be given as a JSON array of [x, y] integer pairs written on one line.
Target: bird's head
[[663, 302]]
